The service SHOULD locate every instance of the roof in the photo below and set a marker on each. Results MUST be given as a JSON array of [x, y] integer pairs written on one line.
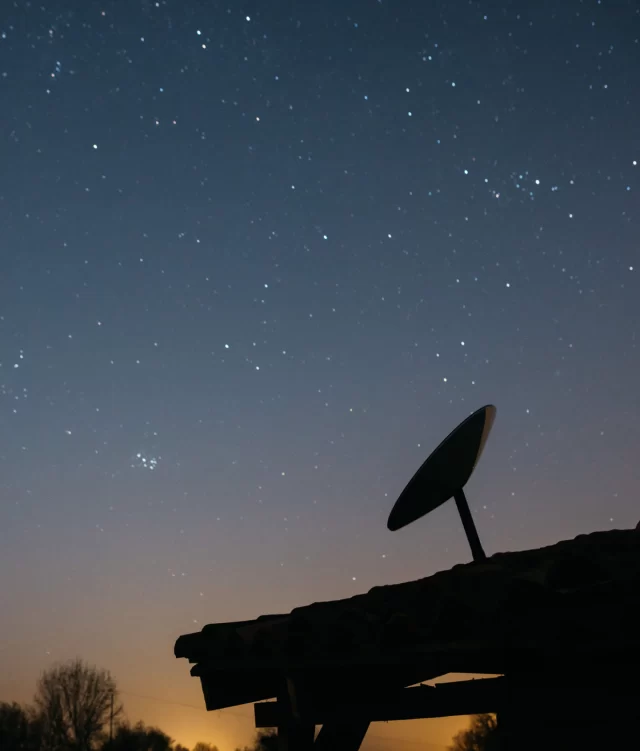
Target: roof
[[575, 597]]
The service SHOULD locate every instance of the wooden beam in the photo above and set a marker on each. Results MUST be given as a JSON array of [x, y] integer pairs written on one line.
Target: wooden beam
[[447, 700], [295, 733], [294, 736], [341, 734], [593, 701]]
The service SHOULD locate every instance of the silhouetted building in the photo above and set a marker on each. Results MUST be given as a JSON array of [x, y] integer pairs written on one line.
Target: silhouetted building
[[559, 624]]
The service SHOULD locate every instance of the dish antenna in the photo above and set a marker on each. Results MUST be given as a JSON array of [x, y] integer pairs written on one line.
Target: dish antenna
[[444, 474]]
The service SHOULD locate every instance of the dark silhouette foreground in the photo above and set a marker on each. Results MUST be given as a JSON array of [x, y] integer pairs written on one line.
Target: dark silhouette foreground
[[75, 708], [559, 624]]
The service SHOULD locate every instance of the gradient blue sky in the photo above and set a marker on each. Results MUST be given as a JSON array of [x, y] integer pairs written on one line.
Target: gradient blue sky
[[256, 260]]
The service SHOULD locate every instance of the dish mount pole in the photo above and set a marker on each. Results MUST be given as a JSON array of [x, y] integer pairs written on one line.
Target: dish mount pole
[[469, 527]]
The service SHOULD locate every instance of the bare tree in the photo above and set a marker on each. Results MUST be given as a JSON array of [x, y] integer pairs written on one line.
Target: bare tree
[[139, 737], [481, 736], [19, 728], [200, 746], [265, 740], [74, 701]]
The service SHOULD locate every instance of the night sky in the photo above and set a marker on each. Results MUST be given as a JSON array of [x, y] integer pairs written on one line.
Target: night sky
[[256, 261]]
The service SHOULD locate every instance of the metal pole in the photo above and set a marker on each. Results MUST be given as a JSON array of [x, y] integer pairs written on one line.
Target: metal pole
[[111, 723], [469, 527]]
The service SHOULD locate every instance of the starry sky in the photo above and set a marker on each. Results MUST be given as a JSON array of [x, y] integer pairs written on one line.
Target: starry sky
[[256, 261]]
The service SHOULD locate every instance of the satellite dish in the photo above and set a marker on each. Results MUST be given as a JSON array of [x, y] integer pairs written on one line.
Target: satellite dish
[[444, 474]]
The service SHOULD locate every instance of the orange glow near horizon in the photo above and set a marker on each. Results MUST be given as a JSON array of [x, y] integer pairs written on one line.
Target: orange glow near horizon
[[256, 265], [233, 728], [182, 715]]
